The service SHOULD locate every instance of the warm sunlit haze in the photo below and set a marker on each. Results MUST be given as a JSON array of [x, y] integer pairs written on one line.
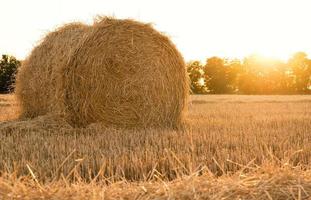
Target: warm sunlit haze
[[199, 28], [109, 109]]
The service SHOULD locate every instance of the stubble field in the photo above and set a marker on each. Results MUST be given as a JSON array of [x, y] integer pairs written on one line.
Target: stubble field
[[233, 147]]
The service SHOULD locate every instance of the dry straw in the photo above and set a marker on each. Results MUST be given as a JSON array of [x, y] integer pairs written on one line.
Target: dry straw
[[268, 182], [38, 79], [117, 72], [125, 74]]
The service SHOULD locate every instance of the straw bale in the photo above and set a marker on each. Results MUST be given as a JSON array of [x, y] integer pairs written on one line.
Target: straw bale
[[37, 84], [127, 74]]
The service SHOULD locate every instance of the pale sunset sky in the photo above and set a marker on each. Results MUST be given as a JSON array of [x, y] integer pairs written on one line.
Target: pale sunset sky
[[199, 28]]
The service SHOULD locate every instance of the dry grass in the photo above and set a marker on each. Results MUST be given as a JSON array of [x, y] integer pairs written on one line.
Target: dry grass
[[267, 182], [226, 134], [9, 109]]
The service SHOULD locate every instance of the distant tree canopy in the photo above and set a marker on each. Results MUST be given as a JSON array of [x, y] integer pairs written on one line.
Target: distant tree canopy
[[253, 75], [8, 69], [221, 75], [195, 72]]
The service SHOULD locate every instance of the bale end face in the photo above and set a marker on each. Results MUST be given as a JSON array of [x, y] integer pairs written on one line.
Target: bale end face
[[37, 83]]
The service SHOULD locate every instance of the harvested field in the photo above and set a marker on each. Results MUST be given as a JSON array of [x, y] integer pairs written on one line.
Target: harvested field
[[8, 107], [268, 182], [247, 147]]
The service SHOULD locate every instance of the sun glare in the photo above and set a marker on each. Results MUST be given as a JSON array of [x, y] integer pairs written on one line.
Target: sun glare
[[274, 29], [199, 28]]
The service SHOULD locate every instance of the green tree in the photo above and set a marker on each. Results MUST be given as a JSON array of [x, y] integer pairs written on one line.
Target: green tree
[[8, 69], [220, 75], [283, 79], [301, 69], [263, 75], [195, 72], [234, 69]]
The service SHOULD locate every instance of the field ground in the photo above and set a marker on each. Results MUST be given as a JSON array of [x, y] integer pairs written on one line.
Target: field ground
[[233, 147], [8, 107]]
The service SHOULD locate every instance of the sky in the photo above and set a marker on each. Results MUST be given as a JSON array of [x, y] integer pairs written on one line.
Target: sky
[[199, 28]]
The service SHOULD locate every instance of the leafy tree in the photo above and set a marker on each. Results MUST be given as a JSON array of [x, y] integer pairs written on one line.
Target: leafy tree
[[265, 76], [247, 83], [195, 72], [8, 69], [234, 69], [301, 68], [220, 75], [283, 79]]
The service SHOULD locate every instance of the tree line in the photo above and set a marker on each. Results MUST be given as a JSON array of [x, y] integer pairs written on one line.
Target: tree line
[[252, 75], [8, 70]]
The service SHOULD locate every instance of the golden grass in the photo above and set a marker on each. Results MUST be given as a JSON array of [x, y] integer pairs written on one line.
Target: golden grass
[[261, 135], [9, 109], [267, 182]]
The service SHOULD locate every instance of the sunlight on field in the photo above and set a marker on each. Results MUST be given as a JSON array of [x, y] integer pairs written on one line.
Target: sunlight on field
[[225, 134]]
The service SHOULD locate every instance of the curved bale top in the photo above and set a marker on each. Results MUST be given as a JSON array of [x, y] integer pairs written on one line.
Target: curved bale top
[[125, 74], [37, 84]]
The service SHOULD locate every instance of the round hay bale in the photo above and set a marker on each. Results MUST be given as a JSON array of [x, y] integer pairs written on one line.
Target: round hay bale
[[37, 84], [126, 74]]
